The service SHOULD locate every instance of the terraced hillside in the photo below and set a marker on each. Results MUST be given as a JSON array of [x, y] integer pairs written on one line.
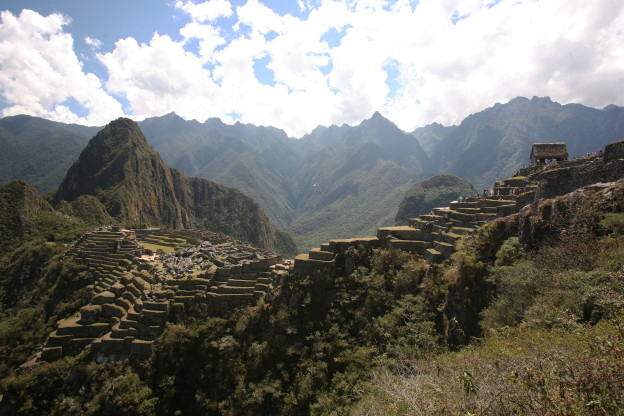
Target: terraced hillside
[[147, 277], [435, 235]]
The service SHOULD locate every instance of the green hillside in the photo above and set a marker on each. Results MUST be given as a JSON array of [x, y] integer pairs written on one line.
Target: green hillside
[[37, 150], [437, 191]]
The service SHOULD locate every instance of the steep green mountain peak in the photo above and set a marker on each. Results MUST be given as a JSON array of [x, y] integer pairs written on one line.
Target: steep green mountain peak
[[137, 188]]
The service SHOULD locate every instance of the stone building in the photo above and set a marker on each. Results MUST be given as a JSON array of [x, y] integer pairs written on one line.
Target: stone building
[[542, 153]]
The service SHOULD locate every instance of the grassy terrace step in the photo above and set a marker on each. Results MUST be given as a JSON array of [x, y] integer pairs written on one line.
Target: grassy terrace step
[[123, 333], [516, 182], [241, 283], [409, 245], [318, 254], [193, 283], [451, 237], [127, 323], [55, 340], [156, 306], [460, 216], [435, 218], [186, 300], [469, 210], [433, 256], [262, 287], [51, 353], [303, 260], [495, 202], [446, 249], [440, 228], [237, 296], [344, 243], [417, 222], [440, 211], [187, 293], [466, 204], [227, 290], [486, 217], [504, 210], [403, 232]]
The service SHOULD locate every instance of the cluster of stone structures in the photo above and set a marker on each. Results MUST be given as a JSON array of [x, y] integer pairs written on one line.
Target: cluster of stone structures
[[147, 277], [434, 235]]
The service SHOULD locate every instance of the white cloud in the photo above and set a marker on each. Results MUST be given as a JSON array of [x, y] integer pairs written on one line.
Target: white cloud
[[94, 43], [39, 71], [207, 11], [452, 59], [160, 77]]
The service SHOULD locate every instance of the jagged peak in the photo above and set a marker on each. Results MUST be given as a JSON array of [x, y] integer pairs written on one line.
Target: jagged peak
[[378, 120]]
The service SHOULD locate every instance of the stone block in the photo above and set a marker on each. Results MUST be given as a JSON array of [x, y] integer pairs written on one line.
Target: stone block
[[152, 317], [51, 353], [117, 289], [236, 269], [141, 349], [156, 306], [90, 313], [58, 340], [103, 297], [109, 310], [223, 272]]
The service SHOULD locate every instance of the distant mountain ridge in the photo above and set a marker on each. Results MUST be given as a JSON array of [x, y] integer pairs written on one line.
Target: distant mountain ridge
[[347, 180], [496, 142]]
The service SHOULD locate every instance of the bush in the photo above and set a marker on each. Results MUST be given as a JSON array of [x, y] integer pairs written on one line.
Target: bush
[[510, 252]]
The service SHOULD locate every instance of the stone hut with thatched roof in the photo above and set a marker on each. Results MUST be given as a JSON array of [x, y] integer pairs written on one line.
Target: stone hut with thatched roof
[[542, 153]]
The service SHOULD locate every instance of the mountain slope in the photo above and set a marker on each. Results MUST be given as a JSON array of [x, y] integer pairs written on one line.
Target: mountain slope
[[138, 189], [255, 160], [37, 150], [496, 142], [436, 191], [314, 187]]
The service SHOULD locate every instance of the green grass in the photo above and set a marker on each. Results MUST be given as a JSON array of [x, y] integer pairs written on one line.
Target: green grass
[[156, 247]]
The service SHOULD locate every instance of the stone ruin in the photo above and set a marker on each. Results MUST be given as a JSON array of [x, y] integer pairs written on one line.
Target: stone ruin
[[137, 289], [543, 153]]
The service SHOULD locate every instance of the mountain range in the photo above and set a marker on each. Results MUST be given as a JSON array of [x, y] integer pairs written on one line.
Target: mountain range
[[337, 181]]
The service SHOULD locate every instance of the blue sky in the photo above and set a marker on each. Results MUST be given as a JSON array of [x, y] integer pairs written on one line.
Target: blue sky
[[299, 64]]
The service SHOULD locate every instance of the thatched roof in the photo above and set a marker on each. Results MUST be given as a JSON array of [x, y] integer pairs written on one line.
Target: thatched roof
[[549, 151]]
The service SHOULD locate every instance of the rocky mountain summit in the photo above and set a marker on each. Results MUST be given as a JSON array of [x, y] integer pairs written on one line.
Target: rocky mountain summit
[[137, 189]]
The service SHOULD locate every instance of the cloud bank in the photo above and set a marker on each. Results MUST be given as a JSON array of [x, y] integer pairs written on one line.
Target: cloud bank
[[338, 62]]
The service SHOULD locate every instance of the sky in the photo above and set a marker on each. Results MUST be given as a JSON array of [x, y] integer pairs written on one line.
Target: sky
[[298, 64]]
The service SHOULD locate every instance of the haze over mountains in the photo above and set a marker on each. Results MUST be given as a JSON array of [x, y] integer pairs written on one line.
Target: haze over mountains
[[338, 181]]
